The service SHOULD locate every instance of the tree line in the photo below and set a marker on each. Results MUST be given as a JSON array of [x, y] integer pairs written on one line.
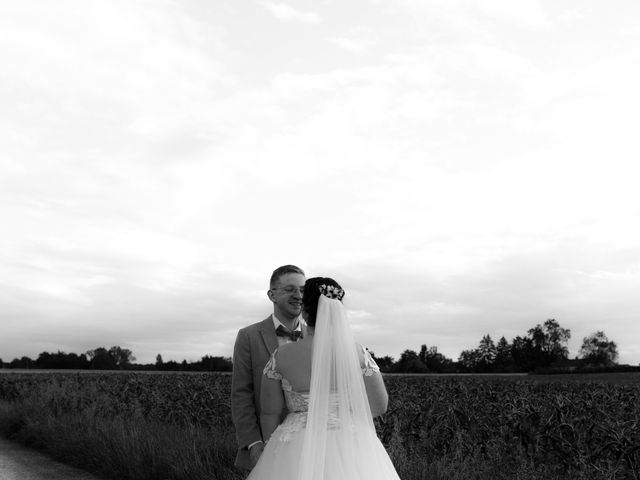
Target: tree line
[[115, 358], [543, 347]]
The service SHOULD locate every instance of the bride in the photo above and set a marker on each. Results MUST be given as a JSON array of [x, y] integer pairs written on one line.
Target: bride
[[331, 388]]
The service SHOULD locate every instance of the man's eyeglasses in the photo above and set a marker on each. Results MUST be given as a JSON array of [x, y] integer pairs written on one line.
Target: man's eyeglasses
[[290, 289]]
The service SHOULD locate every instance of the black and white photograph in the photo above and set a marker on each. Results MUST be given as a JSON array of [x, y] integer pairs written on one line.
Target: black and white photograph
[[313, 240]]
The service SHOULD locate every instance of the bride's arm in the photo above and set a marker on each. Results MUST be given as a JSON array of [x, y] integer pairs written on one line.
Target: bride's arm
[[373, 383], [272, 404], [377, 394]]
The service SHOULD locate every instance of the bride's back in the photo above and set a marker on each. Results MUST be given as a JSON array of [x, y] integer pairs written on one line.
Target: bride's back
[[294, 363]]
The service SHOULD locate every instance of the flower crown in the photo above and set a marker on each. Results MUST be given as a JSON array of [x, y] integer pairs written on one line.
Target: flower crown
[[331, 291]]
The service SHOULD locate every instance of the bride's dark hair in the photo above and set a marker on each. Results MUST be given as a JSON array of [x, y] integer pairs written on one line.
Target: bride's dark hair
[[312, 292]]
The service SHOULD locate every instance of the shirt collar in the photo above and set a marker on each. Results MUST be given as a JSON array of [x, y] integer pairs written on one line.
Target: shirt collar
[[277, 322]]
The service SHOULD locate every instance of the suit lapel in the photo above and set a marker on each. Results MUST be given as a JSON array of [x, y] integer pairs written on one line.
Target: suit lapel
[[268, 334]]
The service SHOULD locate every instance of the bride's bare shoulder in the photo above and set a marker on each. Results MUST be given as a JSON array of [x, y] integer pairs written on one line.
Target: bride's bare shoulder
[[293, 353], [292, 349]]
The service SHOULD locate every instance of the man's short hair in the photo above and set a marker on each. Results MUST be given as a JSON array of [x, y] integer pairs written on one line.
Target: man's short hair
[[283, 270]]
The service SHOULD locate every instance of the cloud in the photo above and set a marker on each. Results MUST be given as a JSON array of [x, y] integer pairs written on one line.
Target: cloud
[[81, 84], [400, 303], [469, 15], [286, 13], [356, 40], [461, 172], [100, 301], [527, 13]]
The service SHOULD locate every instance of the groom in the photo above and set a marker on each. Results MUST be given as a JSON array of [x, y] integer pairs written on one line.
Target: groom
[[254, 345]]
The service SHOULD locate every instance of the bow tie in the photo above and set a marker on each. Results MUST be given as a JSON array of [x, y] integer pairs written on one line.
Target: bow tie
[[283, 332]]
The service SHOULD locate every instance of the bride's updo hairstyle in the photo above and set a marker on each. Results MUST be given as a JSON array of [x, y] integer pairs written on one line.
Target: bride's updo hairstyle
[[313, 288]]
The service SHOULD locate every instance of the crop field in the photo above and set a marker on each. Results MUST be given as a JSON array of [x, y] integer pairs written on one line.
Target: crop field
[[178, 426]]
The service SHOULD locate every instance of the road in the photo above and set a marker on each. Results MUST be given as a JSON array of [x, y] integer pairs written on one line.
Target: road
[[20, 463]]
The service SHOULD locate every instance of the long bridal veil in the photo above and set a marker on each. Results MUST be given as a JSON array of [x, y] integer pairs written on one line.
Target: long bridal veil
[[340, 436]]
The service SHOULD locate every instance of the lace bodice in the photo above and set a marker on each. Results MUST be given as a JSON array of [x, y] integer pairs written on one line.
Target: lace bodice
[[298, 402]]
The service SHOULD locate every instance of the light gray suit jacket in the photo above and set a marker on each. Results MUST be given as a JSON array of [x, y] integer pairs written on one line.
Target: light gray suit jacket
[[254, 345]]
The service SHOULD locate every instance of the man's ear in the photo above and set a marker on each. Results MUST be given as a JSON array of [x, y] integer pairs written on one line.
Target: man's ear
[[271, 295]]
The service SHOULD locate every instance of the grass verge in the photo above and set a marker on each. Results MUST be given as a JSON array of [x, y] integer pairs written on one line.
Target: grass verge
[[121, 448]]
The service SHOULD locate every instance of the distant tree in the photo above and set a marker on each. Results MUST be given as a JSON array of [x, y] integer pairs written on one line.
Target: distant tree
[[99, 359], [385, 363], [116, 358], [433, 360], [44, 360], [524, 354], [480, 359], [27, 362], [503, 361], [171, 366], [410, 363], [469, 360], [216, 364], [61, 360], [598, 350], [1, 363], [159, 362], [550, 340], [75, 361], [486, 353], [122, 357], [23, 362]]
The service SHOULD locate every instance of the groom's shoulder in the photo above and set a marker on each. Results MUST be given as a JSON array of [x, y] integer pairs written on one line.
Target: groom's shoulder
[[255, 327]]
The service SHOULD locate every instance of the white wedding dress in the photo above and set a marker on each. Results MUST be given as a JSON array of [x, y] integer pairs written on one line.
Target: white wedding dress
[[329, 433]]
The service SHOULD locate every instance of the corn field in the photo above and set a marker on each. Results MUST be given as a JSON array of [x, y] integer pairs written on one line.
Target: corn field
[[576, 429], [436, 426]]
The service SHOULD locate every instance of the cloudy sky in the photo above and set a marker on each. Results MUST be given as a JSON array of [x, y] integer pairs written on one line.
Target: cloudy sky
[[462, 167]]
